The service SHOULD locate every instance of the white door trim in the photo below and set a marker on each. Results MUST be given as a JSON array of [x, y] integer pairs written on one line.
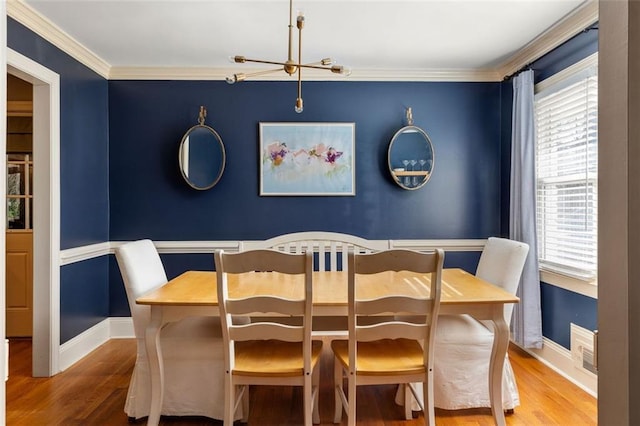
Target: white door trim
[[4, 349], [46, 212]]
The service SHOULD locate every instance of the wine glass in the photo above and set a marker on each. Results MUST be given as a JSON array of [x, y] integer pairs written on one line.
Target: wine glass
[[422, 163], [414, 180], [406, 168]]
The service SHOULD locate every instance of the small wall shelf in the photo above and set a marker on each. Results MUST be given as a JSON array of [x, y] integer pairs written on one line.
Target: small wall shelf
[[412, 173]]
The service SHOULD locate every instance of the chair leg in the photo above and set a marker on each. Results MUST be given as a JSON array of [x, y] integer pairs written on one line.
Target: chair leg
[[230, 399], [351, 406], [408, 413], [427, 401], [245, 404], [306, 400], [337, 389], [315, 379]]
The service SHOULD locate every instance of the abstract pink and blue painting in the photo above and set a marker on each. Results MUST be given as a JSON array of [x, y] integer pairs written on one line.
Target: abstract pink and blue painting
[[307, 159]]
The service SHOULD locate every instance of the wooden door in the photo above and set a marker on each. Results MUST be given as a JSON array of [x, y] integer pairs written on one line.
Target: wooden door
[[19, 285]]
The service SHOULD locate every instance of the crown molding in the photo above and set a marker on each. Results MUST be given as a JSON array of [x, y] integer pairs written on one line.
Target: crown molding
[[177, 73], [556, 35], [571, 25], [588, 62], [46, 29]]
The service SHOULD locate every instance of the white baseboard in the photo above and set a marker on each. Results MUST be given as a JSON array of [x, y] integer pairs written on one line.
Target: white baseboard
[[121, 328], [558, 358], [86, 342], [81, 345]]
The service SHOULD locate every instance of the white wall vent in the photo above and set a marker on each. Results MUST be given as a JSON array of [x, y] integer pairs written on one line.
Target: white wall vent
[[582, 349]]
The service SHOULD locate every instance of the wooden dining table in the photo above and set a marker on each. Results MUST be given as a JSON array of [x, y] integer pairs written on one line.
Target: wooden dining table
[[194, 293]]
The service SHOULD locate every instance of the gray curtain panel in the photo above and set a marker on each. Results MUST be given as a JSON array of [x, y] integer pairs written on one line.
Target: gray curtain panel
[[527, 321]]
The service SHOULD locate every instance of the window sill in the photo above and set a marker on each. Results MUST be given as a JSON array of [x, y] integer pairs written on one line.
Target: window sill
[[586, 287]]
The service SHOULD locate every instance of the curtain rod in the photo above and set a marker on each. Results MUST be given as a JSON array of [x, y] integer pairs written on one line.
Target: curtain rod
[[529, 65]]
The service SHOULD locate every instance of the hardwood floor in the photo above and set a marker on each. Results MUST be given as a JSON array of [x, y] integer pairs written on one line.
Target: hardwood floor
[[92, 392]]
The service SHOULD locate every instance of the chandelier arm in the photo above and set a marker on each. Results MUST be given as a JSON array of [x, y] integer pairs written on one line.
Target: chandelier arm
[[263, 72], [309, 65], [260, 61], [317, 67]]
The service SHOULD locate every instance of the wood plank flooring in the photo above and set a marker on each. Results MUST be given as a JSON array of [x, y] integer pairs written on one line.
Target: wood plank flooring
[[92, 392]]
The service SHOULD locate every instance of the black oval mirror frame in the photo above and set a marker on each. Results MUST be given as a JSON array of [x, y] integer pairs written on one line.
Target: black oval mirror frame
[[411, 157], [202, 157]]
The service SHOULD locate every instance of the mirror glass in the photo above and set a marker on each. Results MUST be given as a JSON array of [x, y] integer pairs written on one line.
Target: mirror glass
[[411, 157], [202, 157]]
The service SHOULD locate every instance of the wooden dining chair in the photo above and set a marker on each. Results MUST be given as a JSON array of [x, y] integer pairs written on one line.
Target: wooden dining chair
[[268, 352], [329, 248], [398, 348]]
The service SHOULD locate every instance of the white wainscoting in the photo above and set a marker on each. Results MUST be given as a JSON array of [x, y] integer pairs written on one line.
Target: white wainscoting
[[78, 254]]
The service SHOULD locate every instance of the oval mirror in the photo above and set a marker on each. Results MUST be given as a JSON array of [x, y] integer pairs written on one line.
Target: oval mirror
[[410, 156], [202, 156]]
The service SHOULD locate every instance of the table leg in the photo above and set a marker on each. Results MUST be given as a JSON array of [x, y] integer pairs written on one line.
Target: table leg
[[496, 365], [156, 367]]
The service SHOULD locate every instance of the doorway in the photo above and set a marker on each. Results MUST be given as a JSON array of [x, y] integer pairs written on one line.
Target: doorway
[[46, 210], [19, 234]]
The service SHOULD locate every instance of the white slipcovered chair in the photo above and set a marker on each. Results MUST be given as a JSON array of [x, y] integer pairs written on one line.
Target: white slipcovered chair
[[192, 348], [463, 344]]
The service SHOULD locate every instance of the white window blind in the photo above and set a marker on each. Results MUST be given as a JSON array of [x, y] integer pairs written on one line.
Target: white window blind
[[567, 175]]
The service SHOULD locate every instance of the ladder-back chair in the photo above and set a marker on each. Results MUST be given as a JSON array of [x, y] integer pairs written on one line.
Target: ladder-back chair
[[398, 348], [267, 352]]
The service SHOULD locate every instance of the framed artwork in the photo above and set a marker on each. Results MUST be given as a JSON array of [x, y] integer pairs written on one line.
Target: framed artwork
[[307, 159]]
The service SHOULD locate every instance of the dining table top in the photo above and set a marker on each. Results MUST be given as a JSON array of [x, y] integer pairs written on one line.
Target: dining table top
[[199, 288]]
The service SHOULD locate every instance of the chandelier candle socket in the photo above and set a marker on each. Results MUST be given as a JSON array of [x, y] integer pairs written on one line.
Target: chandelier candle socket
[[290, 66]]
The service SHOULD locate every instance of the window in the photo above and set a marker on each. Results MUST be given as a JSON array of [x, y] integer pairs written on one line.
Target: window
[[19, 191], [566, 109]]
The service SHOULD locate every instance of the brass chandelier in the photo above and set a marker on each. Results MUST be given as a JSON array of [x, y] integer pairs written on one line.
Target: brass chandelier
[[290, 66]]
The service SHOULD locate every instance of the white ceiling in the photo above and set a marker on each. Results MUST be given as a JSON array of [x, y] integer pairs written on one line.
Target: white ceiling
[[371, 36]]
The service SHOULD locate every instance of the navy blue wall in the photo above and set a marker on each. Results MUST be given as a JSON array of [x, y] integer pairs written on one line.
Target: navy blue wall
[[561, 307], [85, 298], [506, 108], [150, 199], [84, 176], [84, 139]]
